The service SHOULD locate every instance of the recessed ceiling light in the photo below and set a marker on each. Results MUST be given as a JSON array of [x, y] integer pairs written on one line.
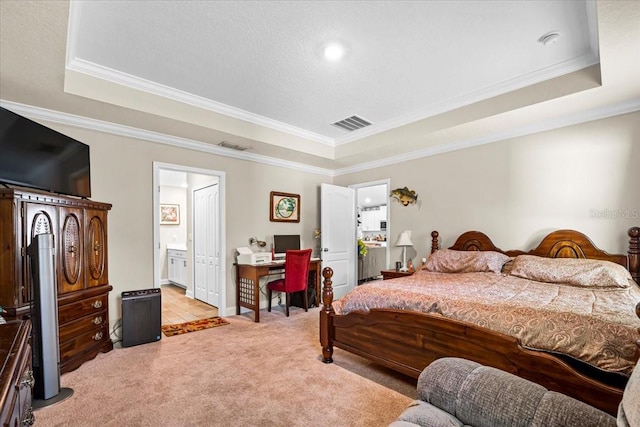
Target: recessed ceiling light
[[549, 38], [334, 51]]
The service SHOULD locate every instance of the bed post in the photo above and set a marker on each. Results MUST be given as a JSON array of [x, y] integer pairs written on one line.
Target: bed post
[[434, 241], [634, 261], [326, 320], [634, 254]]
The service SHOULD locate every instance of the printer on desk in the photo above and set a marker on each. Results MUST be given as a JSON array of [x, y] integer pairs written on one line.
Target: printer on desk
[[247, 256]]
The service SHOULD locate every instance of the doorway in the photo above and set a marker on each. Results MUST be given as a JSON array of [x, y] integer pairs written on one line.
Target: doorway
[[339, 238], [373, 227], [213, 235]]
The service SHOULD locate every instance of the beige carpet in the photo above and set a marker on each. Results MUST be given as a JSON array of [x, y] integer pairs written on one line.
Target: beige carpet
[[250, 374]]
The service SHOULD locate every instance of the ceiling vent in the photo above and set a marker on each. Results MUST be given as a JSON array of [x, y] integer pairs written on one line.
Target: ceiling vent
[[225, 144], [352, 123]]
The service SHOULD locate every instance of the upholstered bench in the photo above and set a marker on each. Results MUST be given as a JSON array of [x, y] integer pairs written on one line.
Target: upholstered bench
[[459, 392]]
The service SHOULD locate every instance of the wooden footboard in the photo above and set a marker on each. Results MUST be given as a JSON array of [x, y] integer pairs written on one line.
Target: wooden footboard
[[409, 341]]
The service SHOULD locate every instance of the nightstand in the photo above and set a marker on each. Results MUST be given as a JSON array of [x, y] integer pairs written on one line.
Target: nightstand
[[392, 274]]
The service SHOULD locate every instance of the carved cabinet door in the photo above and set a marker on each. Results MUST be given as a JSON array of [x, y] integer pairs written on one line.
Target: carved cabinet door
[[71, 249], [38, 219], [96, 247]]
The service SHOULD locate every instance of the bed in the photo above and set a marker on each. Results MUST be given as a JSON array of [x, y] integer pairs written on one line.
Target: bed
[[408, 341]]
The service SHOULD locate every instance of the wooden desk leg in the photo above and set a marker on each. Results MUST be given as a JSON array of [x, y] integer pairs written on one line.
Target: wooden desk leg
[[237, 289], [248, 280], [256, 295]]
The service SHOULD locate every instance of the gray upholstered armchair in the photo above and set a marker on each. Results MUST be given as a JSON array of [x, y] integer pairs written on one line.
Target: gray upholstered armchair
[[458, 392]]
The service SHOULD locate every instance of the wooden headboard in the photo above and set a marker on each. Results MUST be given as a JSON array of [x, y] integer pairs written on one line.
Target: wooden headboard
[[558, 244]]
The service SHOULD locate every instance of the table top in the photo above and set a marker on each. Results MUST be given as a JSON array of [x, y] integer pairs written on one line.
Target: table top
[[275, 263]]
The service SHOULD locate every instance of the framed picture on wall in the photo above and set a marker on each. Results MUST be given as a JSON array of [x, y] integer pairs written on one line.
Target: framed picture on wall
[[169, 214], [284, 207]]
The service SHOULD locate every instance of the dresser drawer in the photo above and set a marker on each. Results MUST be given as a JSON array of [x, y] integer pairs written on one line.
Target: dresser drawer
[[85, 324], [86, 307], [177, 253], [18, 406], [16, 376], [84, 341], [25, 390]]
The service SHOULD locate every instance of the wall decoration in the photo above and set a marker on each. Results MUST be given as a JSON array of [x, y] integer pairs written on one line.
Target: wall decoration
[[404, 196], [169, 214], [284, 207]]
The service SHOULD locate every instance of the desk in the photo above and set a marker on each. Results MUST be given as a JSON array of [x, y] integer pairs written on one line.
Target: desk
[[248, 283]]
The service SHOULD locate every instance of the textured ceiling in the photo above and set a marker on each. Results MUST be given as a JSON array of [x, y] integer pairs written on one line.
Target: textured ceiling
[[405, 60]]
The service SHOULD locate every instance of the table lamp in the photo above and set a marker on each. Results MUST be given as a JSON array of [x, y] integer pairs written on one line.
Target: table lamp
[[404, 240]]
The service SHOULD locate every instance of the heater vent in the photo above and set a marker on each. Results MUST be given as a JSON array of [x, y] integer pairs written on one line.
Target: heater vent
[[225, 144], [352, 123]]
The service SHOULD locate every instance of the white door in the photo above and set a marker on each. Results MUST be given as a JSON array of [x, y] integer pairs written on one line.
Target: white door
[[338, 225], [206, 244]]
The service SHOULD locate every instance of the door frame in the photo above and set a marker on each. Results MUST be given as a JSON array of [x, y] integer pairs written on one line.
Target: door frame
[[157, 267], [386, 182]]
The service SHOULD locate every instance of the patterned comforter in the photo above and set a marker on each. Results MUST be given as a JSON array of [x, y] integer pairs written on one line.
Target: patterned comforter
[[597, 326]]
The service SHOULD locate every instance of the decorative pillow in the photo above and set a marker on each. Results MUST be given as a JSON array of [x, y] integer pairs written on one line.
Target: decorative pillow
[[450, 261], [572, 271], [506, 268]]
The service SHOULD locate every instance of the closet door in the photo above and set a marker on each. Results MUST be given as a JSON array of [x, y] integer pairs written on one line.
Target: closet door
[[96, 248], [71, 249], [207, 244]]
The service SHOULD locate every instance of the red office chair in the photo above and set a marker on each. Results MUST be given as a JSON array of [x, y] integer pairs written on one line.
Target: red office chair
[[296, 273]]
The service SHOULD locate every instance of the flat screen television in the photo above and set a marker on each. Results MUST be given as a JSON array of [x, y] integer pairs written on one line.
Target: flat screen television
[[34, 156]]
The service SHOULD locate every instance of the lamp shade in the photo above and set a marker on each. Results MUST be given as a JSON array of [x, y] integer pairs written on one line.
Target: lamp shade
[[404, 239]]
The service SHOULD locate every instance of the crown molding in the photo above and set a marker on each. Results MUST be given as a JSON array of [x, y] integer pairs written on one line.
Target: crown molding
[[74, 63], [451, 104], [146, 135], [621, 108], [137, 83]]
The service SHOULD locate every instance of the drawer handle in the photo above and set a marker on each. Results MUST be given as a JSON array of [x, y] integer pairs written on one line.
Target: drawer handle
[[97, 320], [97, 337], [28, 379], [97, 304], [96, 247], [28, 419]]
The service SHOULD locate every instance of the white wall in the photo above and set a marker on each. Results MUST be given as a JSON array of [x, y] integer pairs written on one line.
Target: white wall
[[518, 190], [515, 190], [121, 172]]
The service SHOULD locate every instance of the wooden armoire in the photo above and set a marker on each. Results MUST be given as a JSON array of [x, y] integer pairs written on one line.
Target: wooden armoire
[[79, 227]]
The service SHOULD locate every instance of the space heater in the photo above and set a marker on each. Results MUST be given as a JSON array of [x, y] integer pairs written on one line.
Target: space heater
[[44, 318], [141, 316]]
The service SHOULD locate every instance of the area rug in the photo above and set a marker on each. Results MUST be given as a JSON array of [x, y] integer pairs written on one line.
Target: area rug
[[194, 325]]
